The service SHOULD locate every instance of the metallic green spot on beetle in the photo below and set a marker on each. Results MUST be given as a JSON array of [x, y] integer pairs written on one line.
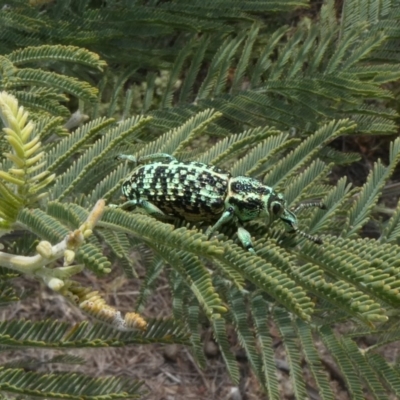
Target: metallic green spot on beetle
[[196, 191]]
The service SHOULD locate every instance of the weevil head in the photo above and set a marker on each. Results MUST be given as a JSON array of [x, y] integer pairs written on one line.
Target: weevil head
[[277, 208], [252, 199], [276, 205]]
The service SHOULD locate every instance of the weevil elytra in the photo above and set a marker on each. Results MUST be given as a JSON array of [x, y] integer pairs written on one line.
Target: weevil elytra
[[199, 192]]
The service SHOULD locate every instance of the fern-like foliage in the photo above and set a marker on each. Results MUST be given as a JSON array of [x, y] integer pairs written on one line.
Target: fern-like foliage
[[287, 77], [263, 101], [71, 385], [347, 276], [23, 74], [24, 160], [52, 334]]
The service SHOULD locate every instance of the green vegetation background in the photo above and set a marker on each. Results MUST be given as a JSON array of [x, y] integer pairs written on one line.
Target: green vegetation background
[[294, 93]]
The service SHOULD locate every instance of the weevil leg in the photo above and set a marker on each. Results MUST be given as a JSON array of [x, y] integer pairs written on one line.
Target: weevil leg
[[245, 239], [149, 157], [225, 217], [150, 208], [127, 157], [128, 204], [157, 156]]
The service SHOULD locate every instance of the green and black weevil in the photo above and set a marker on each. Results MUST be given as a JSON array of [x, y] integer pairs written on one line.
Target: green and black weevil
[[196, 191]]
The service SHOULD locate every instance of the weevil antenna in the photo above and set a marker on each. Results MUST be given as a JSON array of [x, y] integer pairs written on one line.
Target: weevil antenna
[[314, 239], [303, 206]]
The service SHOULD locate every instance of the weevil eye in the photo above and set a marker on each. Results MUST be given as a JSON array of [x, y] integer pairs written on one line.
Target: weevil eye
[[277, 208]]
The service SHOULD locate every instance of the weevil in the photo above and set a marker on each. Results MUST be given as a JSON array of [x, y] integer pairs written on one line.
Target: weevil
[[196, 191]]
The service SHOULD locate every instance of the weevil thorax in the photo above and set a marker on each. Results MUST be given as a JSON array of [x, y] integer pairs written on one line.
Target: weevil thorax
[[252, 199]]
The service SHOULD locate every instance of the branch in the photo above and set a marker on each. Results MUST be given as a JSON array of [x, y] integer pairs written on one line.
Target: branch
[[47, 254]]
